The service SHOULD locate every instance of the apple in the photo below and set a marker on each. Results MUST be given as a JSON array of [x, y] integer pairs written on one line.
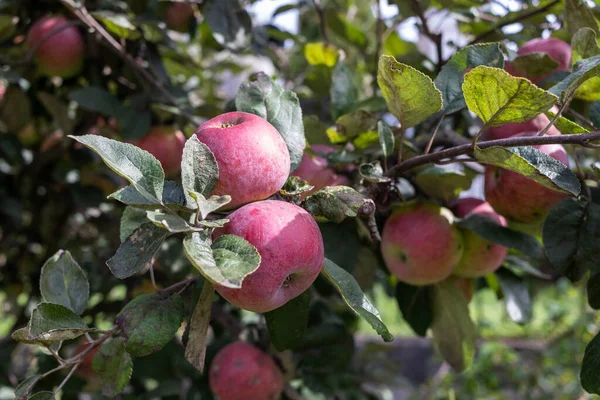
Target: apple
[[253, 159], [166, 144], [242, 371], [557, 49], [466, 286], [514, 128], [85, 369], [315, 171], [178, 16], [480, 257], [518, 198], [420, 244], [291, 249], [58, 52]]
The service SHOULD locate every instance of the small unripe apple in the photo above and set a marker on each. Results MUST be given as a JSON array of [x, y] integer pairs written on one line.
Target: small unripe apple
[[420, 244], [514, 128], [518, 198], [557, 49], [253, 159], [178, 16], [291, 248], [242, 371], [480, 257], [166, 144], [315, 171], [58, 51]]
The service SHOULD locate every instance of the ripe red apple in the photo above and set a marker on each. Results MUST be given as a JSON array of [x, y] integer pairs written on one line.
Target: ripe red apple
[[178, 16], [291, 248], [518, 198], [166, 144], [558, 50], [58, 52], [420, 244], [253, 159], [315, 171], [242, 371], [514, 128], [480, 257]]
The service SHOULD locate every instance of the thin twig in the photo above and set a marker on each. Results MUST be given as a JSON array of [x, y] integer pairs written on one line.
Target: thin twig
[[518, 18], [436, 38], [581, 118], [435, 131], [152, 279], [322, 22], [379, 25], [584, 140], [67, 377], [179, 285], [562, 108]]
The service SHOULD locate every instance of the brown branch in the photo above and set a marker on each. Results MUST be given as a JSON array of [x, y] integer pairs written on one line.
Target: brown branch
[[518, 18], [581, 140], [436, 38], [379, 25], [322, 23]]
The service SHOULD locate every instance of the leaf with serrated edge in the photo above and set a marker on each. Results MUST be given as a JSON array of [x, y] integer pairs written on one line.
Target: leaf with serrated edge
[[62, 281], [138, 166], [213, 203], [386, 138], [131, 219], [195, 349], [498, 98], [173, 197], [350, 291], [55, 322], [566, 126], [583, 70], [336, 203], [199, 170], [171, 222], [410, 95], [113, 365]]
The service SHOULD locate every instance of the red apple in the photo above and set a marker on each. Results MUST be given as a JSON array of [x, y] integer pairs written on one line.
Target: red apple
[[480, 257], [291, 249], [166, 144], [253, 159], [315, 171], [420, 244], [241, 371], [58, 52], [558, 50], [518, 198], [178, 16], [514, 128]]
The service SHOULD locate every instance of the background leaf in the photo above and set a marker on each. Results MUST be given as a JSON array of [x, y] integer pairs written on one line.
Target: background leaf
[[195, 349], [113, 365], [287, 324], [62, 281]]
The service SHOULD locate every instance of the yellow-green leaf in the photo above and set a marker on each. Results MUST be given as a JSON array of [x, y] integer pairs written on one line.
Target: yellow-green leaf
[[320, 53]]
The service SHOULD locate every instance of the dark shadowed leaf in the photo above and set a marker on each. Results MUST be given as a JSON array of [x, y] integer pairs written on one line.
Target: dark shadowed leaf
[[229, 22], [344, 91], [138, 166], [454, 333], [195, 349], [386, 138], [415, 305], [113, 365], [582, 71], [516, 296], [280, 107], [578, 15], [62, 281], [131, 219], [149, 322], [520, 266], [355, 298], [137, 251], [534, 65], [338, 202], [55, 322], [373, 172], [287, 324], [590, 379], [44, 395], [593, 291], [172, 197], [443, 183], [24, 389], [199, 170], [533, 164], [584, 44], [59, 112]]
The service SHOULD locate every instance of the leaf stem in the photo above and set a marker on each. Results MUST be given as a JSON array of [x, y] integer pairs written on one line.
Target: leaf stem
[[322, 23]]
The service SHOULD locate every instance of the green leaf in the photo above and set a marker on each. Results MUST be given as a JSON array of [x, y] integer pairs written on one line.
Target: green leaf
[[533, 65], [584, 44], [44, 395], [590, 379], [171, 222], [594, 113], [287, 324], [583, 70], [344, 91], [593, 291], [149, 322], [315, 130], [450, 79], [138, 166], [195, 349], [318, 53], [227, 263], [213, 203], [498, 98], [454, 333], [410, 95], [386, 138], [578, 15], [415, 304], [571, 235], [172, 197], [338, 202], [113, 365], [131, 219], [230, 23], [26, 386], [345, 29], [566, 126], [117, 24], [199, 170], [351, 125], [294, 185], [520, 266], [59, 112], [214, 223], [533, 164], [443, 183], [493, 232], [516, 296], [22, 335], [355, 298], [373, 172], [137, 251], [54, 322], [280, 107], [62, 281]]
